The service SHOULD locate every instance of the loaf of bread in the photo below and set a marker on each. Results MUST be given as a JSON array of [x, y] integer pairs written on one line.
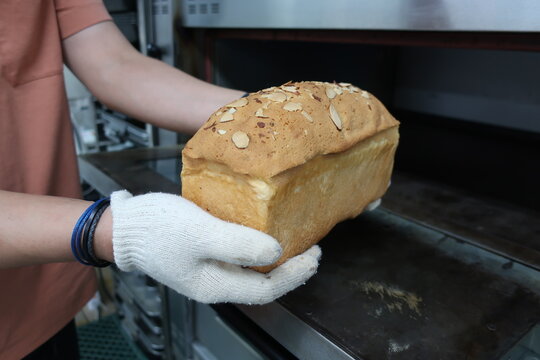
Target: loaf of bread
[[292, 161]]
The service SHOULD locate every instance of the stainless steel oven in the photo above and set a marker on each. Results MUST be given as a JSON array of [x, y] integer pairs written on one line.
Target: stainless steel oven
[[449, 266], [462, 77]]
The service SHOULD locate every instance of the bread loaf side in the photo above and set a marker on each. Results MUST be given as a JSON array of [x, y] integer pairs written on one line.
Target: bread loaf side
[[292, 161]]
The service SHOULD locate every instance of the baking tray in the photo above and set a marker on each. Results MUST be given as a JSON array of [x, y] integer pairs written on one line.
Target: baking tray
[[388, 288]]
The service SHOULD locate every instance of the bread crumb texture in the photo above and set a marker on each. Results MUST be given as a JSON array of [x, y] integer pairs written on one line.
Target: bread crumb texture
[[286, 126]]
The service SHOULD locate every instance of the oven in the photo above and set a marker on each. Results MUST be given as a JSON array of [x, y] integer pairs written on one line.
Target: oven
[[449, 266]]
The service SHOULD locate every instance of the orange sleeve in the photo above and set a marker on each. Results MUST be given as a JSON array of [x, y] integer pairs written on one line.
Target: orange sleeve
[[76, 15]]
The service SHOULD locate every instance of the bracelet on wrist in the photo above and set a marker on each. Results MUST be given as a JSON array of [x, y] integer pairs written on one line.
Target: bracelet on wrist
[[82, 237]]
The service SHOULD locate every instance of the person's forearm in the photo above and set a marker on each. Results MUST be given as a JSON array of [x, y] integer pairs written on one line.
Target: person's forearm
[[145, 88], [37, 229], [154, 92]]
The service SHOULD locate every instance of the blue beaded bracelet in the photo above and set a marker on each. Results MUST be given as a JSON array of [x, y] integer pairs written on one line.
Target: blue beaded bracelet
[[83, 232]]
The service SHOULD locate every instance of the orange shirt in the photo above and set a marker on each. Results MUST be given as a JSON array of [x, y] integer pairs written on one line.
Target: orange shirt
[[37, 156]]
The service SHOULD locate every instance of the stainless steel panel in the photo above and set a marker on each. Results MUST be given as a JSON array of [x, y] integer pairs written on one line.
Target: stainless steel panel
[[303, 341], [95, 177], [156, 29], [527, 349], [438, 15], [181, 313], [216, 340], [163, 14]]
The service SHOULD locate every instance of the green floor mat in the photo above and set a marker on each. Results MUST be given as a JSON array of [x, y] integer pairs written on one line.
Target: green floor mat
[[106, 340]]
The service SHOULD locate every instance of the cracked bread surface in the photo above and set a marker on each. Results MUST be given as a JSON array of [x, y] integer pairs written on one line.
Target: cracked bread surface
[[280, 139]]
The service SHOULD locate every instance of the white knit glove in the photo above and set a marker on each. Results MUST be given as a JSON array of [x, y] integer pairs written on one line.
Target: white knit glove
[[180, 245], [373, 205]]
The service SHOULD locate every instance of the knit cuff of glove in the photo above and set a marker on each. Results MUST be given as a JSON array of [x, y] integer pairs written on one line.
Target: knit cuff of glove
[[127, 245]]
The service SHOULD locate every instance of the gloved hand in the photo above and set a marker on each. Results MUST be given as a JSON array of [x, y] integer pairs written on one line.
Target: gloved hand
[[180, 245], [373, 205]]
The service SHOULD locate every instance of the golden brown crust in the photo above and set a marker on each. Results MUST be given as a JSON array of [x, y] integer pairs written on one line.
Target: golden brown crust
[[279, 128], [299, 206], [292, 161]]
